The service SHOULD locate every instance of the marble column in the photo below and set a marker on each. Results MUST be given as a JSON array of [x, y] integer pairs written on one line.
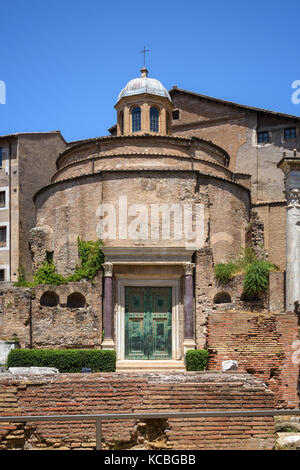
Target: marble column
[[291, 168], [108, 307], [188, 304]]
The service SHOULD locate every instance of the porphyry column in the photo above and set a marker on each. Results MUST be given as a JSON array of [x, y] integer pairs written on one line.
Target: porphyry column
[[188, 304], [108, 307], [291, 168]]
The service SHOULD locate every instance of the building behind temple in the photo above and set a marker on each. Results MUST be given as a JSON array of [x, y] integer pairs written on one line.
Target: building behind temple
[[172, 157]]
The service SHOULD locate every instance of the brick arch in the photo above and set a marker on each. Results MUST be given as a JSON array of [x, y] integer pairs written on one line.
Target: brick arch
[[222, 298], [49, 299], [76, 300]]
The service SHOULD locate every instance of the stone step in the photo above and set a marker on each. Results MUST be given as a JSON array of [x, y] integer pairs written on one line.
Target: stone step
[[149, 366]]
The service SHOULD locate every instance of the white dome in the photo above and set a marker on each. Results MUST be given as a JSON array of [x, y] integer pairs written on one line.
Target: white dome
[[144, 84]]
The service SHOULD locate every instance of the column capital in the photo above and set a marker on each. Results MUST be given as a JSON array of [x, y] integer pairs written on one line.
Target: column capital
[[289, 164], [108, 269], [188, 268], [293, 197]]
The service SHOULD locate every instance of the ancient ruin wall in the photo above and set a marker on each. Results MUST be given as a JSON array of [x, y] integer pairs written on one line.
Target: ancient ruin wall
[[64, 324], [129, 393], [264, 344]]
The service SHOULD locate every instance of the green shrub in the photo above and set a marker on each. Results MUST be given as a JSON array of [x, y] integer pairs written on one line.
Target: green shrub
[[91, 260], [224, 272], [46, 274], [196, 359], [65, 360], [256, 276], [256, 271]]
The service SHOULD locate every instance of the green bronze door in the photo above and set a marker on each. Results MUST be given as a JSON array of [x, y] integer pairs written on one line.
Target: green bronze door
[[148, 323]]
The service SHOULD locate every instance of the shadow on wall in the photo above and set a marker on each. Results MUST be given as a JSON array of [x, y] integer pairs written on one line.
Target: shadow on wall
[[74, 300], [49, 299], [222, 298]]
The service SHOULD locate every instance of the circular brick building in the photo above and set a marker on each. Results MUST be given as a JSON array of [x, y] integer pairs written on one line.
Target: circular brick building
[[166, 208]]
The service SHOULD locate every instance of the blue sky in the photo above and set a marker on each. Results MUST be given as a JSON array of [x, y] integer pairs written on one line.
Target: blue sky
[[64, 62]]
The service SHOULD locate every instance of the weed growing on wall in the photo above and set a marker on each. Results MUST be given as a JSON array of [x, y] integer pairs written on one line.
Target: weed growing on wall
[[91, 260], [256, 271]]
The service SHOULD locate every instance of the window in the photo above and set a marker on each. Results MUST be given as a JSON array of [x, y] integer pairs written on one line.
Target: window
[[263, 137], [2, 236], [154, 119], [290, 133], [136, 119], [175, 114], [2, 198], [2, 275], [49, 256], [121, 122]]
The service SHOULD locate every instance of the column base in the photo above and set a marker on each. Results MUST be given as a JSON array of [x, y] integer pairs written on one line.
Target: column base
[[188, 344], [108, 344]]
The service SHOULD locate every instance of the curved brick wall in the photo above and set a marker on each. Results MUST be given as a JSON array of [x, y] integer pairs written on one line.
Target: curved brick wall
[[70, 209]]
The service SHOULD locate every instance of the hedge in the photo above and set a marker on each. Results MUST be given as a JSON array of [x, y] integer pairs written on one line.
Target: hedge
[[65, 360], [196, 359]]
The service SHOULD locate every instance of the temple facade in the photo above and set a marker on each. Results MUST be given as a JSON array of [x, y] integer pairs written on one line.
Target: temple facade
[[182, 183]]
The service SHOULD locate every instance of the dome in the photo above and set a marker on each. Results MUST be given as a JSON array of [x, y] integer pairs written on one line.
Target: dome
[[144, 84]]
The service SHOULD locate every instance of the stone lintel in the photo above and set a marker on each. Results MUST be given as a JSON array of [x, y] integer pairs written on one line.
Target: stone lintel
[[147, 255]]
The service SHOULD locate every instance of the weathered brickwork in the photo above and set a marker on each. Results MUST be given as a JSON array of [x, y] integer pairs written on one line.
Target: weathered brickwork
[[75, 203], [116, 393], [264, 345], [234, 128], [24, 315], [15, 305], [209, 162], [223, 125], [273, 217], [65, 326]]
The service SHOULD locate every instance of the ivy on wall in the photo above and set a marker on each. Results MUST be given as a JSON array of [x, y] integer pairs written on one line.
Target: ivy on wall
[[256, 271], [91, 260]]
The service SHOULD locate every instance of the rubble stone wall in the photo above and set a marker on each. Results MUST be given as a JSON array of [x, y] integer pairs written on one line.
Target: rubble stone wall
[[63, 324]]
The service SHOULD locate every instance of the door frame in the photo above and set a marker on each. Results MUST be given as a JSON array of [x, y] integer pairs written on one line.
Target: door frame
[[120, 311]]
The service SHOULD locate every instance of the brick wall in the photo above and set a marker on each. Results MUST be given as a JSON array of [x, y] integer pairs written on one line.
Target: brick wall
[[59, 326], [116, 393], [223, 125], [15, 314], [273, 217], [263, 344], [37, 155]]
